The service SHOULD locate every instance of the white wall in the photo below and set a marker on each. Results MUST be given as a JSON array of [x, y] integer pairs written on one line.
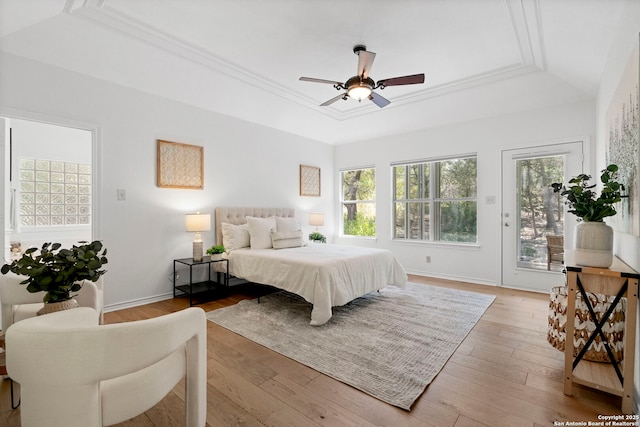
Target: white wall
[[245, 165], [627, 246], [44, 141], [485, 137]]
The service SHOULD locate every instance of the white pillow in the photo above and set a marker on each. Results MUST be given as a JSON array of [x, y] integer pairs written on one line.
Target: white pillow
[[286, 239], [260, 231], [287, 224], [235, 236]]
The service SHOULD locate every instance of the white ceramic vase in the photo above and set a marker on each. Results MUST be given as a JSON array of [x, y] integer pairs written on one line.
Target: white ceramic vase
[[593, 243]]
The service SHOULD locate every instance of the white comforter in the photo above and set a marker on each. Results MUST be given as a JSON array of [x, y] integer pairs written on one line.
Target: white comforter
[[323, 274]]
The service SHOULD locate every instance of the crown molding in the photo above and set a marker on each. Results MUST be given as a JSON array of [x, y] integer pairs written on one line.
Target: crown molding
[[523, 14], [526, 22]]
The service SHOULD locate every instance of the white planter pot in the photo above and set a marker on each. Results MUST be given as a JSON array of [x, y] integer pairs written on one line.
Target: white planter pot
[[216, 257], [593, 243]]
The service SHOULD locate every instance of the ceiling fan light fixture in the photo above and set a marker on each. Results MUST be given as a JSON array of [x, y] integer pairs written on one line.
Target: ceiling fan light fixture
[[359, 88], [359, 92]]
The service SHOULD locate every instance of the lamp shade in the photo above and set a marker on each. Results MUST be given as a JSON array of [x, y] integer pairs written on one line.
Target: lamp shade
[[197, 222], [316, 219]]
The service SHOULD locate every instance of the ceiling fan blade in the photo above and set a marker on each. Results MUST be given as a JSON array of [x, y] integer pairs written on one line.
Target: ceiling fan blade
[[379, 100], [313, 80], [404, 80], [365, 62], [334, 99]]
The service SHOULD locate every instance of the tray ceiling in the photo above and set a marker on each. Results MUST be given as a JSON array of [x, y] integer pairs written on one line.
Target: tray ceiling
[[243, 58]]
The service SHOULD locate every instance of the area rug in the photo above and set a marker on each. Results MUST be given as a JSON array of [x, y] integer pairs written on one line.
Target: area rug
[[390, 344]]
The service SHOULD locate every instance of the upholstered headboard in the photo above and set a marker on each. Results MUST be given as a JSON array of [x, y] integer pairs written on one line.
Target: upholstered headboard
[[238, 216]]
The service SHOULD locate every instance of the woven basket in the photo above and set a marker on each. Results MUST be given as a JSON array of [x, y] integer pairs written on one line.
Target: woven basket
[[52, 307], [584, 325]]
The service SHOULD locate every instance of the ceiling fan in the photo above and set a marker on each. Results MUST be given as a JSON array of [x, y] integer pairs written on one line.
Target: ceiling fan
[[361, 86]]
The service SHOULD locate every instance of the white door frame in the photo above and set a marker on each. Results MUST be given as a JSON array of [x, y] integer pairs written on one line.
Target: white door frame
[[510, 275], [96, 155], [4, 143]]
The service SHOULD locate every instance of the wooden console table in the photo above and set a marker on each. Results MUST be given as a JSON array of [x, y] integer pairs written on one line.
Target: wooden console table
[[615, 377]]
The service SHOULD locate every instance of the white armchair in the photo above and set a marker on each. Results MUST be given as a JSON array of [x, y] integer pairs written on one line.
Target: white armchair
[[17, 303], [74, 372]]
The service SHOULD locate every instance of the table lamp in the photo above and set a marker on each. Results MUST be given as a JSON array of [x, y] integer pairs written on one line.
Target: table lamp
[[196, 223], [316, 219]]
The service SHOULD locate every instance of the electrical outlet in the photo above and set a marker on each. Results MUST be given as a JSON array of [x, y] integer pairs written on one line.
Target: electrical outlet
[[427, 259]]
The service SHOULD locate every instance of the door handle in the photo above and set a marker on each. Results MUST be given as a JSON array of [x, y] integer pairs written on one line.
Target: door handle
[[506, 224]]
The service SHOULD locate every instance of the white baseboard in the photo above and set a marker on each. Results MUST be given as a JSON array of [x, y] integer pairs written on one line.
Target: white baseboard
[[449, 277], [137, 302], [471, 280]]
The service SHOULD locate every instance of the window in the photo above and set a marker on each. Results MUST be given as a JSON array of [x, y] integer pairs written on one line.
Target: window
[[436, 200], [358, 202], [54, 193]]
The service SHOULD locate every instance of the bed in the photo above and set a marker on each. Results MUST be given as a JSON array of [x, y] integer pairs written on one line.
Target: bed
[[325, 275]]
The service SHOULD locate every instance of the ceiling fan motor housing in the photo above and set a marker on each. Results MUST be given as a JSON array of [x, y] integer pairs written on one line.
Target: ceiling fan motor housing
[[358, 81]]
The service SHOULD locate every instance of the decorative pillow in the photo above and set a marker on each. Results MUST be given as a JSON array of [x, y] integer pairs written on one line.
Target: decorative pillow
[[287, 224], [286, 239], [235, 236], [260, 231]]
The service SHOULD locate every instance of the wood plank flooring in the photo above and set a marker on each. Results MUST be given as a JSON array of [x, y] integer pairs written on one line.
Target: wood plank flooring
[[503, 374]]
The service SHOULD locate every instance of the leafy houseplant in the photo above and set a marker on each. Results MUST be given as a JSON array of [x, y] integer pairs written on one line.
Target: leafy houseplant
[[216, 249], [317, 237], [216, 252], [593, 238], [58, 272], [582, 200]]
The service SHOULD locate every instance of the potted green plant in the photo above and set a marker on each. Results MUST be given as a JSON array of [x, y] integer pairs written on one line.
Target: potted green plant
[[216, 252], [59, 272], [593, 238], [317, 237]]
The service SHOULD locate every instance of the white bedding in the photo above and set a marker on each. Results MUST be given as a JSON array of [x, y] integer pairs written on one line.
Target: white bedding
[[325, 275]]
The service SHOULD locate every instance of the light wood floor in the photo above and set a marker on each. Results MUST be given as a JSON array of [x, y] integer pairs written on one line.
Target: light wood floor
[[503, 374]]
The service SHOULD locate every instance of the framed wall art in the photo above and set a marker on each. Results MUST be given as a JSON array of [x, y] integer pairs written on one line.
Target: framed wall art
[[309, 181], [623, 140], [180, 165]]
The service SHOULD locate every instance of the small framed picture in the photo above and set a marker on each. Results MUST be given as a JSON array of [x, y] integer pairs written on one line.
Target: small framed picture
[[309, 181], [180, 165]]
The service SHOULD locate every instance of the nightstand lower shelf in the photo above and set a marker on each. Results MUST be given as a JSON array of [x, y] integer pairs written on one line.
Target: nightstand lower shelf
[[202, 291], [600, 376]]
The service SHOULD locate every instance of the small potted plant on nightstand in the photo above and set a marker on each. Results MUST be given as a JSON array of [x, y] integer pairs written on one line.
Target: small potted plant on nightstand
[[216, 252], [317, 237]]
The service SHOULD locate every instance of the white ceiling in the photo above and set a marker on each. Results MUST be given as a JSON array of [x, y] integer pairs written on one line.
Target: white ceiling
[[243, 58]]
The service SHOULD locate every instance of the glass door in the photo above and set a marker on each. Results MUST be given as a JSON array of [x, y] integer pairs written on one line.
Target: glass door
[[533, 220]]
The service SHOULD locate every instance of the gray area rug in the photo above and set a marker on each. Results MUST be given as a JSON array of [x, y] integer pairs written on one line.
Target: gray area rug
[[390, 344]]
